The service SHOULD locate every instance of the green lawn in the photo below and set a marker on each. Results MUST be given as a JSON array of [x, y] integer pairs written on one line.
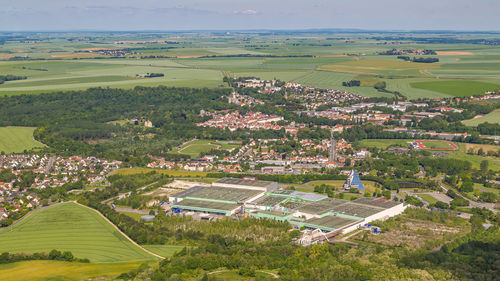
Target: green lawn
[[492, 117], [71, 227], [458, 88], [17, 139]]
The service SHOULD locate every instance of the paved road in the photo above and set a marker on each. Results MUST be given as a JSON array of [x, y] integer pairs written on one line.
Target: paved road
[[472, 204]]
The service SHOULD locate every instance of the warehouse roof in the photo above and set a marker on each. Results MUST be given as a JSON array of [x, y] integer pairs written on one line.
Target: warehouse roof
[[381, 202], [248, 181], [230, 195], [201, 205], [269, 200], [321, 206], [361, 208], [329, 222]]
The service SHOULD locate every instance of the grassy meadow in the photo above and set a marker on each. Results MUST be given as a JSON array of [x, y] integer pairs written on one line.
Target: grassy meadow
[[17, 139], [71, 227]]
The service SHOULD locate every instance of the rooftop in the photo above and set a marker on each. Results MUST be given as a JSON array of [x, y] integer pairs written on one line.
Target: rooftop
[[231, 195], [330, 222], [248, 181], [361, 208], [269, 200], [381, 202], [321, 207], [199, 204]]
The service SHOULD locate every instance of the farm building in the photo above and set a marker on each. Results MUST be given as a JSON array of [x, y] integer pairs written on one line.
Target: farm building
[[260, 199]]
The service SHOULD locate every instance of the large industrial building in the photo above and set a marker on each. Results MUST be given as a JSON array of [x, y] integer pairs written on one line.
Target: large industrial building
[[262, 199]]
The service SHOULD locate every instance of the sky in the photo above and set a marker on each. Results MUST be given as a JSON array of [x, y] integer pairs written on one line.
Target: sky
[[130, 15]]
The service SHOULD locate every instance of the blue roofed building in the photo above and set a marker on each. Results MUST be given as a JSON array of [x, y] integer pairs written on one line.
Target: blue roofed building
[[353, 181]]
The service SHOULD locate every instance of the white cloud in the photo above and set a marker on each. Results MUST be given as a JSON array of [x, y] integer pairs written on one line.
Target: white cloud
[[246, 12]]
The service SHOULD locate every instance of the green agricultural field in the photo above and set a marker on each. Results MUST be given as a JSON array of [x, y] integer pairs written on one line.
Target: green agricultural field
[[492, 117], [333, 80], [381, 66], [404, 87], [49, 76], [71, 227], [458, 88], [59, 270], [17, 139]]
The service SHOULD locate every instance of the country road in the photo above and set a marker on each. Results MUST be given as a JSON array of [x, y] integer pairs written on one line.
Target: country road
[[472, 204]]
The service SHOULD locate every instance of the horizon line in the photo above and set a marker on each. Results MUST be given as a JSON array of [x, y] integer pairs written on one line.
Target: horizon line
[[346, 30]]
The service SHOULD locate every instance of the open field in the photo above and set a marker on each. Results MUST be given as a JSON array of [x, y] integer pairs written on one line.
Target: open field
[[195, 148], [458, 88], [70, 227], [72, 75], [387, 67], [460, 154], [60, 270], [132, 171], [485, 147], [492, 117], [187, 60], [17, 139], [333, 80]]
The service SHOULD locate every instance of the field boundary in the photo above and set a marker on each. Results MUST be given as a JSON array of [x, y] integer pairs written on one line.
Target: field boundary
[[104, 217], [119, 230]]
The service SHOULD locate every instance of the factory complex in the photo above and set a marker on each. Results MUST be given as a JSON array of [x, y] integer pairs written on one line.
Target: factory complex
[[263, 199]]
